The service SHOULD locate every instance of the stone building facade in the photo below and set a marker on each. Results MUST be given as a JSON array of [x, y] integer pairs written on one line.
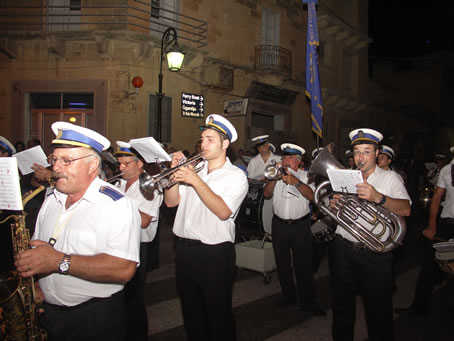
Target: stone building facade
[[236, 50]]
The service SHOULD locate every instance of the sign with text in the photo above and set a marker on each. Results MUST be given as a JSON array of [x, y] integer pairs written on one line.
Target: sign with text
[[235, 107], [192, 105]]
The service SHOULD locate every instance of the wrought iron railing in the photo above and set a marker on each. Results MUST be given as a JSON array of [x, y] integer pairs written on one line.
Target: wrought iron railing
[[271, 57], [122, 15]]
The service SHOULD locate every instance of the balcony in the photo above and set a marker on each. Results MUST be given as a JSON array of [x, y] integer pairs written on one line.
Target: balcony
[[273, 58], [119, 15]]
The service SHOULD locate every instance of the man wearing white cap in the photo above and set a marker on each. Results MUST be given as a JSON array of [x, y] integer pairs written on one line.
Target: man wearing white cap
[[442, 227], [385, 157], [354, 268], [85, 245], [292, 237], [256, 166], [208, 202], [131, 166], [6, 148]]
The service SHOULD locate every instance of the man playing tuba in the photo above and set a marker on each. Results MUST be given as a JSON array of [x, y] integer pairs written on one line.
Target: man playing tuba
[[355, 268]]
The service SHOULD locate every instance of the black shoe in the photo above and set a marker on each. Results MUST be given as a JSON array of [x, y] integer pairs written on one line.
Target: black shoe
[[411, 311], [313, 309], [285, 303]]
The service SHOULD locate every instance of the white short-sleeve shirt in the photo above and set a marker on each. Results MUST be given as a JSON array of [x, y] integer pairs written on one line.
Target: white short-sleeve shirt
[[445, 181], [288, 202], [150, 207], [194, 220], [102, 221], [256, 167]]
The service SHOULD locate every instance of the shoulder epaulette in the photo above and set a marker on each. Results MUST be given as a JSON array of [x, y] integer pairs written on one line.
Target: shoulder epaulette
[[112, 193]]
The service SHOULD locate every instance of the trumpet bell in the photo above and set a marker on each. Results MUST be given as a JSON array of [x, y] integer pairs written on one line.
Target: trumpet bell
[[147, 185]]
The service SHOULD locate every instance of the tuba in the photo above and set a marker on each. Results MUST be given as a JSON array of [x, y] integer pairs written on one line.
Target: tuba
[[374, 226], [19, 313]]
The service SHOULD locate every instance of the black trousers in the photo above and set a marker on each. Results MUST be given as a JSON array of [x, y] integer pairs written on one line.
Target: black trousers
[[204, 279], [430, 274], [292, 244], [96, 320], [136, 312], [364, 272]]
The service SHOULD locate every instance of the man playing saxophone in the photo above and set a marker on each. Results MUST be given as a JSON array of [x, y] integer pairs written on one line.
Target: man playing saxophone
[[86, 243], [356, 269], [208, 202]]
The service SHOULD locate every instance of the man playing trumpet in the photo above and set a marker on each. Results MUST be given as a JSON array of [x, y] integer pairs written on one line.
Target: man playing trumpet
[[208, 202]]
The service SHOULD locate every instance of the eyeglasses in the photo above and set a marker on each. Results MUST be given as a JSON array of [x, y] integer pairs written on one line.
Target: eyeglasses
[[63, 160], [126, 163], [366, 153]]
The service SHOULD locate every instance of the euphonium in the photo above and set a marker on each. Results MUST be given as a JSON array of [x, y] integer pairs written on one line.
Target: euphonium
[[374, 226], [18, 312], [150, 183]]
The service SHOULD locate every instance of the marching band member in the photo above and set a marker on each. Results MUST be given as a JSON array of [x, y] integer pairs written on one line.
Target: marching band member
[[208, 202], [441, 226], [256, 166], [356, 269], [86, 243], [131, 166], [292, 237]]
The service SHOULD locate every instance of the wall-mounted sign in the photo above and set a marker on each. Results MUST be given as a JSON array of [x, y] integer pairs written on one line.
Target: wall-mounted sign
[[235, 107], [192, 105]]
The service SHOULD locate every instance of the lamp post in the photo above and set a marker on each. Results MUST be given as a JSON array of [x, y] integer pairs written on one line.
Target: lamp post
[[175, 57]]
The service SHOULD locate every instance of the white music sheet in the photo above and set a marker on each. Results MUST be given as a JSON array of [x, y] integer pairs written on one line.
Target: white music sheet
[[150, 149], [26, 159], [10, 194], [344, 180]]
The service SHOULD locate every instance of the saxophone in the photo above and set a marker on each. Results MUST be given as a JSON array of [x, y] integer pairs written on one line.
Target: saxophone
[[19, 313]]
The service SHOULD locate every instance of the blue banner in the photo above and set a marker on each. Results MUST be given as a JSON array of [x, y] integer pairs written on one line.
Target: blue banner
[[313, 89]]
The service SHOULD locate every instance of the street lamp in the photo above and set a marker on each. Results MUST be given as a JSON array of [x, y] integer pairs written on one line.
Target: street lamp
[[175, 57]]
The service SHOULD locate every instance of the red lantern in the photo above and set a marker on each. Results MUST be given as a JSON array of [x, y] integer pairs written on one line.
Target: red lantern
[[137, 82]]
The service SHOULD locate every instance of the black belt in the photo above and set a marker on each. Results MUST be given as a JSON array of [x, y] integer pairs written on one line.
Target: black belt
[[190, 242], [449, 220], [353, 245], [291, 221], [83, 304]]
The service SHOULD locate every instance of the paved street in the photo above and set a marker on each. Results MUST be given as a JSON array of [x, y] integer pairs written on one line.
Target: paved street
[[258, 318]]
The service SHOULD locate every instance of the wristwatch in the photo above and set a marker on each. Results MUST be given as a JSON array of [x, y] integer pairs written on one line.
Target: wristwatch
[[382, 200], [63, 267]]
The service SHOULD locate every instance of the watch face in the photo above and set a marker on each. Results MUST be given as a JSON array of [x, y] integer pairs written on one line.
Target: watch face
[[64, 266]]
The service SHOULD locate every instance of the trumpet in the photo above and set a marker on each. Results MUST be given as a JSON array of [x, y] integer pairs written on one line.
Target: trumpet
[[274, 172], [115, 177], [150, 183]]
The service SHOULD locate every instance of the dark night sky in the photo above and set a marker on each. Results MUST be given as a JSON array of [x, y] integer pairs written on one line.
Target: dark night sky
[[402, 29]]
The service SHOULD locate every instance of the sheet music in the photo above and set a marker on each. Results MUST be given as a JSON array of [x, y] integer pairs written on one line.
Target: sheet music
[[28, 157], [150, 149], [344, 180], [10, 193]]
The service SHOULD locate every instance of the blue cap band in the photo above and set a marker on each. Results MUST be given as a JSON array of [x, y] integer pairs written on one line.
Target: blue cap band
[[71, 135], [292, 151], [366, 136], [5, 146], [222, 127]]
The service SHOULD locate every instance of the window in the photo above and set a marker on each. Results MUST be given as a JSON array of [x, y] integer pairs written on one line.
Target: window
[[166, 118], [270, 27]]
